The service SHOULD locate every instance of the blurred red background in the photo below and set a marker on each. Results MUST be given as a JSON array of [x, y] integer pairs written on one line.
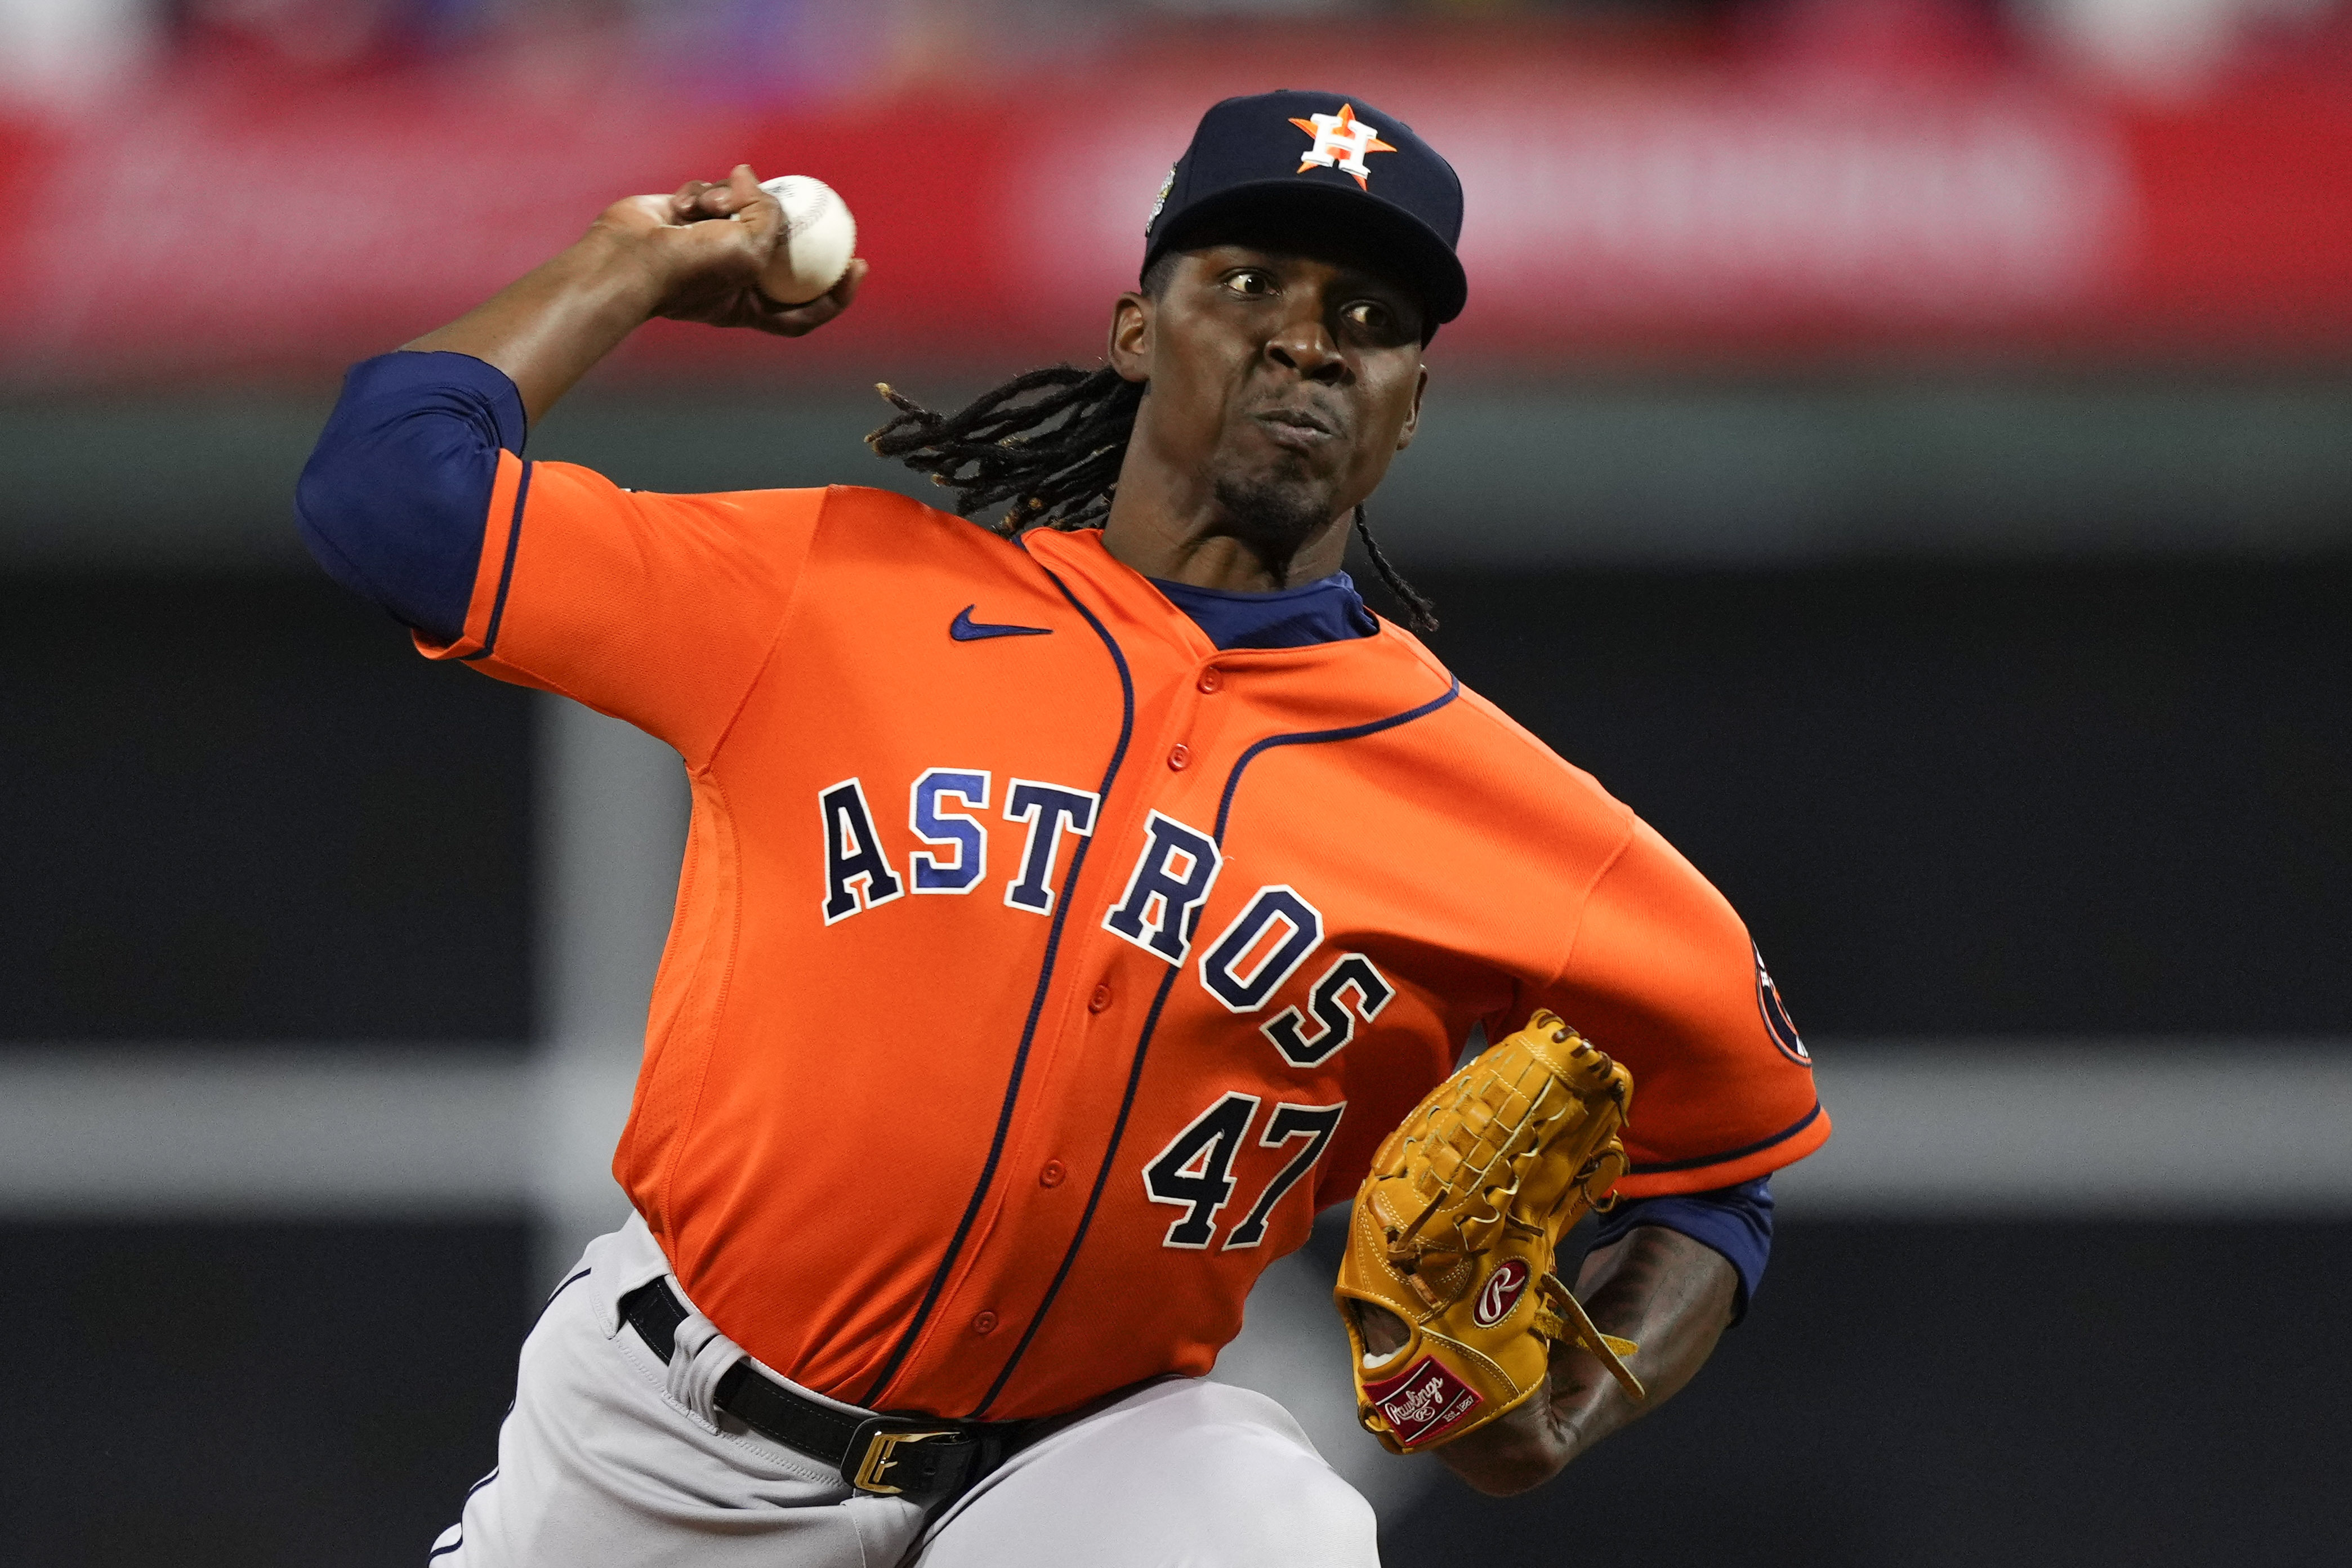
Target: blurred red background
[[1843, 180]]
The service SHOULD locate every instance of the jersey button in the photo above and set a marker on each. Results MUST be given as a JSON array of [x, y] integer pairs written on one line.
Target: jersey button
[[1211, 680], [985, 1323], [1100, 999], [1180, 758], [1052, 1175]]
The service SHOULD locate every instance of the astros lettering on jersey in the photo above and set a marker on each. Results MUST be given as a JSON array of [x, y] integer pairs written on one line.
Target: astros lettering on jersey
[[1164, 939]]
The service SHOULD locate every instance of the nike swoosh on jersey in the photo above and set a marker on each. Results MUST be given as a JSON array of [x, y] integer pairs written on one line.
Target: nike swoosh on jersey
[[964, 629]]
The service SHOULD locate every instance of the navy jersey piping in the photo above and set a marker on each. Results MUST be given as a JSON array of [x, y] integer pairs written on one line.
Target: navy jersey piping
[[1315, 736], [1782, 1137], [1102, 1180], [1036, 1010], [505, 569], [1152, 1019]]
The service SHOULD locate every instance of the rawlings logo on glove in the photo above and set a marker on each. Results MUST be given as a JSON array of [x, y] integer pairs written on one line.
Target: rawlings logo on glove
[[1501, 1293], [1459, 1217]]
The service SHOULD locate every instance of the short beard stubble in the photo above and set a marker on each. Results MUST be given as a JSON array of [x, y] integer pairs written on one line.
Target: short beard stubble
[[1275, 519]]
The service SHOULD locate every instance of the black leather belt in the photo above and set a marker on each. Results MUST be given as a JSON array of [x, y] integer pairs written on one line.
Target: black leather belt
[[926, 1458]]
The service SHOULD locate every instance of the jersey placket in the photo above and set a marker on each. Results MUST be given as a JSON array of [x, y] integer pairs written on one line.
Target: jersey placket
[[1114, 988]]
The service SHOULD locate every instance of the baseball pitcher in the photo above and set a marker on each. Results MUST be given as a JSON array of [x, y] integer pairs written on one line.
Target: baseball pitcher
[[1083, 888]]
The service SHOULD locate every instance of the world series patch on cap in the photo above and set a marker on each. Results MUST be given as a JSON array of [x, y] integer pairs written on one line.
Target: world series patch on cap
[[1331, 155]]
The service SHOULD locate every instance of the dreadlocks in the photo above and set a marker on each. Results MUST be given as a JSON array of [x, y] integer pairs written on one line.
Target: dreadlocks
[[1050, 441]]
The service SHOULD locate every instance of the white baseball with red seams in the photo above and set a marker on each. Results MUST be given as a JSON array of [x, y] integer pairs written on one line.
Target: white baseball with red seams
[[820, 236]]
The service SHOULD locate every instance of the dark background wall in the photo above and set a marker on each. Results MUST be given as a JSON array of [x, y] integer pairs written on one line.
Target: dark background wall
[[1998, 798], [242, 807], [2005, 800], [281, 1394]]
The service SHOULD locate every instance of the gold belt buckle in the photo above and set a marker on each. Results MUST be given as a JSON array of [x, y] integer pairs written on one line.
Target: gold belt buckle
[[881, 1449]]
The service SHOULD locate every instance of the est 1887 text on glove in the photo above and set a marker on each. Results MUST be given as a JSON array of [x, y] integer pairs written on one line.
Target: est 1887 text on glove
[[1454, 1228]]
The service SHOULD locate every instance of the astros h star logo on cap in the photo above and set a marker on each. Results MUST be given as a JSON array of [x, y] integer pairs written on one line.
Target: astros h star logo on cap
[[1238, 170], [1337, 135]]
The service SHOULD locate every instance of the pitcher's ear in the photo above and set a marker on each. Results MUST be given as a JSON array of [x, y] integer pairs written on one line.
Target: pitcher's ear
[[1130, 350], [1413, 420]]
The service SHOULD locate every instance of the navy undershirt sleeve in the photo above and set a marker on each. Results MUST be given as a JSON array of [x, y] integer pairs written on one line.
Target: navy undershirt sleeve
[[1737, 1221], [396, 493]]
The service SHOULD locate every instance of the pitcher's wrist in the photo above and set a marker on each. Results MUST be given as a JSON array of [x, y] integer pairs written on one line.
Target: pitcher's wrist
[[620, 270]]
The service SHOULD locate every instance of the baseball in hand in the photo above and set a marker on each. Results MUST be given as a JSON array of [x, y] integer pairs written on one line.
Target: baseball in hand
[[820, 236]]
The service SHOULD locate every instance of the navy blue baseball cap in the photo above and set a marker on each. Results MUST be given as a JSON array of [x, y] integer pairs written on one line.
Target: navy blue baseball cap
[[1329, 155]]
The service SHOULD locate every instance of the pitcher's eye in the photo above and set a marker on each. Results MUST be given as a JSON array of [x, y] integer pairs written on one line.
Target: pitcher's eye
[[1251, 281], [1366, 313]]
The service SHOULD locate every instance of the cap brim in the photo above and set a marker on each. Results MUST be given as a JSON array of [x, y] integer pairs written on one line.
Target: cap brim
[[1395, 238]]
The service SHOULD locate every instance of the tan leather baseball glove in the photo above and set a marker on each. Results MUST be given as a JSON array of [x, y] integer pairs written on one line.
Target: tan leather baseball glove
[[1453, 1232]]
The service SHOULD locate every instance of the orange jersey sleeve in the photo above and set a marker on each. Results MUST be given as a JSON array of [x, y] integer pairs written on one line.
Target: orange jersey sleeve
[[656, 609], [1662, 974]]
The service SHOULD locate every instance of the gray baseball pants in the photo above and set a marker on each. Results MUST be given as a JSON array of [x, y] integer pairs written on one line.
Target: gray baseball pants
[[611, 1459]]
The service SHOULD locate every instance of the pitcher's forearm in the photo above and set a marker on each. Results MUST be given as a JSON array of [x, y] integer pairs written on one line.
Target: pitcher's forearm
[[1670, 1295], [549, 327]]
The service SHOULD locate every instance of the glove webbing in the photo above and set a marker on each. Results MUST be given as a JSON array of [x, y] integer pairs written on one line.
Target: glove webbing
[[1490, 1139]]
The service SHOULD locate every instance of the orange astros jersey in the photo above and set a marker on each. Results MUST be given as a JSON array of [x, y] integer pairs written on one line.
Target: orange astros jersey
[[1038, 970]]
